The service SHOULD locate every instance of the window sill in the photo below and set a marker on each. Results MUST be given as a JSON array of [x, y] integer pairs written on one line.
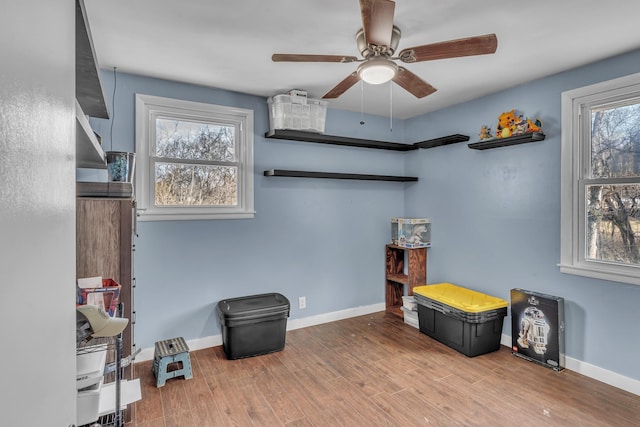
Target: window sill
[[631, 277], [142, 216]]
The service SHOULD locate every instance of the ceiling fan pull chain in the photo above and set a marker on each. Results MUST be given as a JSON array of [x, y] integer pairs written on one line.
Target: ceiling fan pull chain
[[361, 103], [390, 107]]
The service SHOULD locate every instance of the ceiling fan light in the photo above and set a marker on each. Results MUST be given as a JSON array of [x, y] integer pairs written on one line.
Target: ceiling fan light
[[377, 70]]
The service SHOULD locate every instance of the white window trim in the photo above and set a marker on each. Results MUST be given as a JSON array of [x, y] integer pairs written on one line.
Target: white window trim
[[573, 170], [146, 106]]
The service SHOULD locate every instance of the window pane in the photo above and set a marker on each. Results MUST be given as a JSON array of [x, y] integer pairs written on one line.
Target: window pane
[[615, 141], [613, 223], [196, 185], [181, 139]]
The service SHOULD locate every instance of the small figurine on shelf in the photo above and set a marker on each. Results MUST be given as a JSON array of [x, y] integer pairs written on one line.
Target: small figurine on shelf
[[534, 126], [417, 233], [520, 126], [485, 132], [506, 124]]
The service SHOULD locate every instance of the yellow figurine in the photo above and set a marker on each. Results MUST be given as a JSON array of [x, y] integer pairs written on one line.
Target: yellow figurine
[[506, 124], [485, 132]]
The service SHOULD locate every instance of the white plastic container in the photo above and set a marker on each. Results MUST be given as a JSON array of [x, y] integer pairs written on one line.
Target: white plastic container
[[411, 317], [90, 366], [88, 404], [297, 112], [409, 302]]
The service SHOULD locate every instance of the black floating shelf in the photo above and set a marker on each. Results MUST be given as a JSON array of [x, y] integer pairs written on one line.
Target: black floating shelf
[[505, 142], [445, 140], [333, 175], [298, 135], [88, 84]]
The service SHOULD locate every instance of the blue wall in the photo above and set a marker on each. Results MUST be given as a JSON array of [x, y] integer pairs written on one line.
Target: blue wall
[[319, 238], [495, 213]]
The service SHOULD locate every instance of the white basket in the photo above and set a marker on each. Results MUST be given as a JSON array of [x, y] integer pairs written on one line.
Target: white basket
[[297, 112], [411, 317], [88, 403], [409, 302]]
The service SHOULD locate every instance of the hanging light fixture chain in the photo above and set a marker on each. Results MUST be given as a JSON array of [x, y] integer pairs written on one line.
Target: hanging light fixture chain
[[361, 103], [390, 107]]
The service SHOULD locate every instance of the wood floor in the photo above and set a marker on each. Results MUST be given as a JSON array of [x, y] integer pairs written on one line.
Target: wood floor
[[374, 370]]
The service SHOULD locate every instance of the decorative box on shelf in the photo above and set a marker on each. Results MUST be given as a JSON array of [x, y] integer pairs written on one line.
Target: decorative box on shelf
[[411, 232]]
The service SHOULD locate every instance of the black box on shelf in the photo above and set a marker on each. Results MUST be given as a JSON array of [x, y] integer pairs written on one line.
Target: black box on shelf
[[253, 325], [537, 327]]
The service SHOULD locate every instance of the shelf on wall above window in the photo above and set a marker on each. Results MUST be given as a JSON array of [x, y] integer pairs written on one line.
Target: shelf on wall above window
[[505, 142], [334, 175]]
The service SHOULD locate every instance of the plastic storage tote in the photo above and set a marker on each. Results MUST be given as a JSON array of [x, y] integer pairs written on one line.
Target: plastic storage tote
[[465, 320], [297, 112], [253, 325]]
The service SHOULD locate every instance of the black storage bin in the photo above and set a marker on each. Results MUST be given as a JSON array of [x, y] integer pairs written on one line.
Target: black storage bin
[[470, 339], [253, 325], [465, 320]]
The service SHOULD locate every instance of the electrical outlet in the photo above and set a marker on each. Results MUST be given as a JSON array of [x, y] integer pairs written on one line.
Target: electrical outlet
[[302, 302]]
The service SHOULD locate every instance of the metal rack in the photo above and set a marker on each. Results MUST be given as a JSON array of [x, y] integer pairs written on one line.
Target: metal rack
[[113, 372]]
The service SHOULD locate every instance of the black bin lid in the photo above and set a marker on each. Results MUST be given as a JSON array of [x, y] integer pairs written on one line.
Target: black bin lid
[[262, 304]]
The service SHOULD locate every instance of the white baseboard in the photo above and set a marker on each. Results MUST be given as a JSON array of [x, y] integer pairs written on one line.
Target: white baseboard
[[333, 316], [588, 370], [608, 377], [216, 340]]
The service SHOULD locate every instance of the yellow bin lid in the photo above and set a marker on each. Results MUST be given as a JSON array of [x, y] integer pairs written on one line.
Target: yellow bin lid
[[460, 298]]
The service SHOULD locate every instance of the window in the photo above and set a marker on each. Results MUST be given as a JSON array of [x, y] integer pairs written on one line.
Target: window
[[600, 200], [194, 160]]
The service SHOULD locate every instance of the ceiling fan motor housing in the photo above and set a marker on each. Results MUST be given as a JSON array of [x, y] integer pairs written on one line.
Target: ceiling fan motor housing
[[368, 51]]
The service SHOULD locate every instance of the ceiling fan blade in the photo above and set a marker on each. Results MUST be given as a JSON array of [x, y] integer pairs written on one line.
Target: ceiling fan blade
[[343, 86], [479, 45], [377, 21], [412, 83], [294, 57]]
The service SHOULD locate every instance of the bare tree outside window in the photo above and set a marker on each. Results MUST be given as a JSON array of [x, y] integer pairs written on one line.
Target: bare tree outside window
[[196, 164], [613, 210]]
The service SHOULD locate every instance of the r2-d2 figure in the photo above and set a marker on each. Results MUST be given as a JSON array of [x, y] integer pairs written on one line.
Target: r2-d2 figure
[[533, 330]]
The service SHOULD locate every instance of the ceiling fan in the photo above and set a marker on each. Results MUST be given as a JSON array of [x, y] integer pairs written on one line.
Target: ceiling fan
[[378, 40]]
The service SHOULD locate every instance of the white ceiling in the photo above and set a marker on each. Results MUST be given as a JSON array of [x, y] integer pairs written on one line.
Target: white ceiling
[[228, 44]]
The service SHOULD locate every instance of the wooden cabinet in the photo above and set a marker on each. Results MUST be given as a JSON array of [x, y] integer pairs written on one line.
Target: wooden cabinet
[[396, 277], [104, 247]]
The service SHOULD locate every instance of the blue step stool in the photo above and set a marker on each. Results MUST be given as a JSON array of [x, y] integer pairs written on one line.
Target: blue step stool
[[170, 351]]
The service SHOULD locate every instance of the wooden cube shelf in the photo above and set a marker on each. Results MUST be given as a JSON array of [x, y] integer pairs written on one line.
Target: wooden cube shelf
[[396, 278]]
